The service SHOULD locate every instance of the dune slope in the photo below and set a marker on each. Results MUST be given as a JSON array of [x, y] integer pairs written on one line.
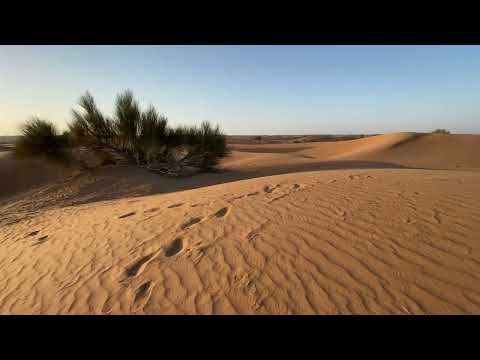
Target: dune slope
[[414, 150]]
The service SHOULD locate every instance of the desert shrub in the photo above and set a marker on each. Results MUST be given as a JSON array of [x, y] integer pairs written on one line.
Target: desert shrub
[[127, 121], [212, 140], [152, 128], [152, 133], [257, 138], [441, 131], [40, 137], [146, 135], [207, 145], [175, 136], [143, 135], [204, 145], [90, 126]]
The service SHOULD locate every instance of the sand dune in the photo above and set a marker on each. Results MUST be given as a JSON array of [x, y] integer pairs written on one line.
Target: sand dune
[[381, 225], [17, 176], [399, 150]]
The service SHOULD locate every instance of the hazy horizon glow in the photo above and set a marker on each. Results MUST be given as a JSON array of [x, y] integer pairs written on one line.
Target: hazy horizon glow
[[252, 89]]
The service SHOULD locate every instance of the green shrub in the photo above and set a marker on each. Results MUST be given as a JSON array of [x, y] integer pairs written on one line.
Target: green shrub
[[127, 121], [145, 135], [152, 133], [441, 131], [175, 136], [89, 126], [40, 137], [207, 145]]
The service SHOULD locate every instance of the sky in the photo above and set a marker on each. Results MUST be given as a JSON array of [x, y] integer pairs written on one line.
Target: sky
[[252, 89]]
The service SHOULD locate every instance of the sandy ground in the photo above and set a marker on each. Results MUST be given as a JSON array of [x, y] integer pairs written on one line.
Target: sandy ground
[[382, 225]]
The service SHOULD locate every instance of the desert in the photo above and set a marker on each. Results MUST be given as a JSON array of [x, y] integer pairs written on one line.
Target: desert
[[271, 180], [381, 224]]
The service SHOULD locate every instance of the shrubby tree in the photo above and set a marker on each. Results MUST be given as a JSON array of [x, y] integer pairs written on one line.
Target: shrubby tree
[[89, 125], [142, 135], [40, 137]]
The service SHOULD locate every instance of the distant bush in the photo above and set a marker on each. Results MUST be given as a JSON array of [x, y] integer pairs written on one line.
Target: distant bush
[[257, 138], [40, 137], [441, 131]]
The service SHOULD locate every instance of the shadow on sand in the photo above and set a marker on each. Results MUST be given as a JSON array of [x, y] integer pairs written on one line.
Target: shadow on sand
[[113, 183]]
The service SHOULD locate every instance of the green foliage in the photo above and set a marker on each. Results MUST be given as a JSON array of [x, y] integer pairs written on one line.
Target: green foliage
[[176, 136], [147, 136], [40, 137], [152, 133], [144, 135], [206, 144], [127, 121], [212, 140], [441, 131], [89, 126]]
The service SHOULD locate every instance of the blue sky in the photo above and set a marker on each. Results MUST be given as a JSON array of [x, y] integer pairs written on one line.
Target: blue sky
[[253, 89]]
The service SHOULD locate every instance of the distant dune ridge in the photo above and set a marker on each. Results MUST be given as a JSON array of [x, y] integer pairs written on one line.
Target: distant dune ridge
[[386, 224]]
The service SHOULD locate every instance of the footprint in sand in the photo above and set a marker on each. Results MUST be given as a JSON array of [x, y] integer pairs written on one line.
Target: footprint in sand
[[41, 240], [359, 177], [191, 222], [127, 215], [435, 216], [139, 266], [175, 205], [142, 295], [268, 189], [278, 198], [174, 248], [109, 303], [252, 235], [221, 213]]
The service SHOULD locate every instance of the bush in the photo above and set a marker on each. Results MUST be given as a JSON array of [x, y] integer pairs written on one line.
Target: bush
[[152, 133], [441, 131], [89, 126], [206, 145], [146, 136], [127, 121], [40, 137]]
